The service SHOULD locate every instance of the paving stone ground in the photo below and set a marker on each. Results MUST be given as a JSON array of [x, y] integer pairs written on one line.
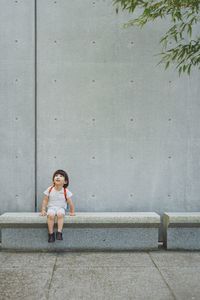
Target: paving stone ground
[[152, 275]]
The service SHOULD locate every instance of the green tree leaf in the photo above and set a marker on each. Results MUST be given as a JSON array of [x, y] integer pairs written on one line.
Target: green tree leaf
[[185, 14]]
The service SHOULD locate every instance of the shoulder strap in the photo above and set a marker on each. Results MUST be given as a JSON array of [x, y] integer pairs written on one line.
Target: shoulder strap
[[50, 189], [65, 193]]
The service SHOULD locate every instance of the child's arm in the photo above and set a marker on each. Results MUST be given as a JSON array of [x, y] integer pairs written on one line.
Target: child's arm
[[71, 207], [44, 206]]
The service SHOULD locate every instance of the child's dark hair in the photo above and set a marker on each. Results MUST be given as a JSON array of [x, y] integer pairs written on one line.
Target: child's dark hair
[[64, 174]]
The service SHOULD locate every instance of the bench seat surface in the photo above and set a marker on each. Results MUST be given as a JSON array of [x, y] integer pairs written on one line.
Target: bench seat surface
[[182, 217], [83, 217]]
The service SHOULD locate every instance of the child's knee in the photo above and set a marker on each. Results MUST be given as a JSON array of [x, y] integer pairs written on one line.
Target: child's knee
[[51, 216], [60, 215]]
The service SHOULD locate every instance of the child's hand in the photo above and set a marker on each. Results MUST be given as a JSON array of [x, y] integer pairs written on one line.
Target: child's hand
[[72, 214], [43, 213]]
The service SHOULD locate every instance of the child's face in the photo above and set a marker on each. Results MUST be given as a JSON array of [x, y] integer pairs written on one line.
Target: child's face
[[59, 179]]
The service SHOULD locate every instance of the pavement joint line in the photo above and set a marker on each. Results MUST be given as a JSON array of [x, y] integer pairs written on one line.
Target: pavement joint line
[[5, 259], [49, 287], [173, 295], [103, 267]]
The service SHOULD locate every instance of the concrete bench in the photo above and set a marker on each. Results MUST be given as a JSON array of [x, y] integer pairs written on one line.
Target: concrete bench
[[102, 230], [181, 230]]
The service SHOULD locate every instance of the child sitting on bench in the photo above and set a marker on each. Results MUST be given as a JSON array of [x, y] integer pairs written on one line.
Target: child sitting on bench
[[56, 199]]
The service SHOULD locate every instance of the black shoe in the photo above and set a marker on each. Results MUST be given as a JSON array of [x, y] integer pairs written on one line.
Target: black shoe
[[59, 236], [51, 238]]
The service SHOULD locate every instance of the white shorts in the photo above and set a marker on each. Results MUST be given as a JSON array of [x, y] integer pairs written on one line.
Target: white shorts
[[55, 210]]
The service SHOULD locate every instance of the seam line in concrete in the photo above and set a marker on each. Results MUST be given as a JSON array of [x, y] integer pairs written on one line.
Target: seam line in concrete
[[5, 258], [103, 267], [35, 79], [173, 295], [49, 287]]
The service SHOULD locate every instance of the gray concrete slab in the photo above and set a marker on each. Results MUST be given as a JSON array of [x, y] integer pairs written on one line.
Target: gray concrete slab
[[19, 283], [172, 259], [17, 105], [133, 219], [102, 259], [27, 260], [127, 120], [83, 238], [181, 271], [112, 282], [100, 275], [183, 281], [181, 230], [97, 231]]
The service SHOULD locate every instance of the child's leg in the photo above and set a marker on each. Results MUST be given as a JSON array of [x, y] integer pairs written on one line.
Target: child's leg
[[50, 222], [60, 216]]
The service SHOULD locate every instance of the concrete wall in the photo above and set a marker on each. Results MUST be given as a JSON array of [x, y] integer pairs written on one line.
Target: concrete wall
[[17, 106], [126, 131]]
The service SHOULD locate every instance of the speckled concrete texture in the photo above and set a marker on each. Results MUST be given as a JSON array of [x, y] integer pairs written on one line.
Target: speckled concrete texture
[[181, 230], [81, 238], [150, 219], [157, 275], [105, 230]]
